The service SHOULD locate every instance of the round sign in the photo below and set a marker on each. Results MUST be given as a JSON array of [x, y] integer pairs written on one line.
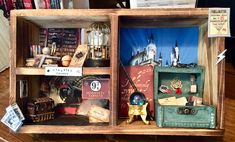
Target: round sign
[[95, 85]]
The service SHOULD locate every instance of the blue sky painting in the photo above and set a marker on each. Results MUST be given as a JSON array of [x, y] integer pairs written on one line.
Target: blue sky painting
[[136, 39]]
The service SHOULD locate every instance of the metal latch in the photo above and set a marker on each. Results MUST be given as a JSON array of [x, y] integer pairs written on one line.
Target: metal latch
[[186, 110]]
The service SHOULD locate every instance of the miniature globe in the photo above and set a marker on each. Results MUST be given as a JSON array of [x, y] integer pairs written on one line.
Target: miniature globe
[[137, 98]]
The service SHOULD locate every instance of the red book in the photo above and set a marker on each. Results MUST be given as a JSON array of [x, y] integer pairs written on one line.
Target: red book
[[47, 4], [2, 5], [28, 4], [66, 109], [6, 6], [142, 77]]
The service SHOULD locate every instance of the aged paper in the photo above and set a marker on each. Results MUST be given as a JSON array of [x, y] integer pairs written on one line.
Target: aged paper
[[99, 113], [219, 22], [168, 101]]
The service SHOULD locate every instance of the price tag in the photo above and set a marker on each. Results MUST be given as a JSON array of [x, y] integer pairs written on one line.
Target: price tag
[[63, 71], [218, 22]]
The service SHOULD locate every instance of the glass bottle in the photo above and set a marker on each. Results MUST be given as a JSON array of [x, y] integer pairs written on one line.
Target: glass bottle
[[193, 85]]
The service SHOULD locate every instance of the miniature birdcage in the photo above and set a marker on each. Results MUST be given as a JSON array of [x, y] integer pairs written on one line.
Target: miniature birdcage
[[98, 44]]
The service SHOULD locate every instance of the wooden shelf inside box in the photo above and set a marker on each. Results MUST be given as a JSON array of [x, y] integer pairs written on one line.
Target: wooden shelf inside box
[[153, 21], [41, 71], [135, 128], [66, 119], [62, 19], [162, 18]]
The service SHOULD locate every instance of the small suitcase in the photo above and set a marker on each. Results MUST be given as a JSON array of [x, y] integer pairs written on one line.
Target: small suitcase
[[203, 116]]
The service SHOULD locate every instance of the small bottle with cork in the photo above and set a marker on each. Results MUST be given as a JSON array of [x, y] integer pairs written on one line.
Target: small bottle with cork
[[193, 84]]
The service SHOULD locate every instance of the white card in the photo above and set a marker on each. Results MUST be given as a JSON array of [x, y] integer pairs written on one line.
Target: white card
[[11, 120], [17, 111], [168, 101], [181, 101], [219, 22], [63, 71]]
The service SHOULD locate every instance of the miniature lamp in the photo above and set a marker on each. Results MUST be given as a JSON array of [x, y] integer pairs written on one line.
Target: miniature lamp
[[98, 45]]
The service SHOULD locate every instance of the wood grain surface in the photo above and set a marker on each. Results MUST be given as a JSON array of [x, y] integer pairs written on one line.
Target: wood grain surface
[[25, 30], [7, 136]]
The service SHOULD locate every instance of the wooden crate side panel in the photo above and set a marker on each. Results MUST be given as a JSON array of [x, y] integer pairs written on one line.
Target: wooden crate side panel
[[34, 86], [33, 90], [221, 84], [23, 34], [12, 74], [165, 12], [214, 73], [126, 130], [203, 59], [66, 12], [213, 49], [217, 78], [67, 19], [27, 34], [114, 68], [20, 42], [33, 32], [207, 56]]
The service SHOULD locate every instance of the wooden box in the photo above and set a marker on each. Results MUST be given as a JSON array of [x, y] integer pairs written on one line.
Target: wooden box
[[25, 25], [186, 116], [182, 115], [165, 76]]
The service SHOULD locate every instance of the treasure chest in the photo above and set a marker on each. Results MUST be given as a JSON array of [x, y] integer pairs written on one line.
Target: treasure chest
[[178, 94], [41, 109]]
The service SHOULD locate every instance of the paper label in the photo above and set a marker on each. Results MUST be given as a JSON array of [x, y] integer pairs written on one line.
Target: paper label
[[168, 101], [95, 89], [218, 22], [17, 111], [63, 71], [182, 101], [193, 89], [99, 113], [94, 120]]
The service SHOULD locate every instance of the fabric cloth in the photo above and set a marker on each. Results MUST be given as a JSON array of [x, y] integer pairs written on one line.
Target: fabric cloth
[[4, 42]]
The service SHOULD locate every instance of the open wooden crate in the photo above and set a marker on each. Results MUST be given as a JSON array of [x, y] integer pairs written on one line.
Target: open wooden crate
[[25, 26]]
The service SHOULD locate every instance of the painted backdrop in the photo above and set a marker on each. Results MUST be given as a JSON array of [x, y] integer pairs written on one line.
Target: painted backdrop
[[133, 41]]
